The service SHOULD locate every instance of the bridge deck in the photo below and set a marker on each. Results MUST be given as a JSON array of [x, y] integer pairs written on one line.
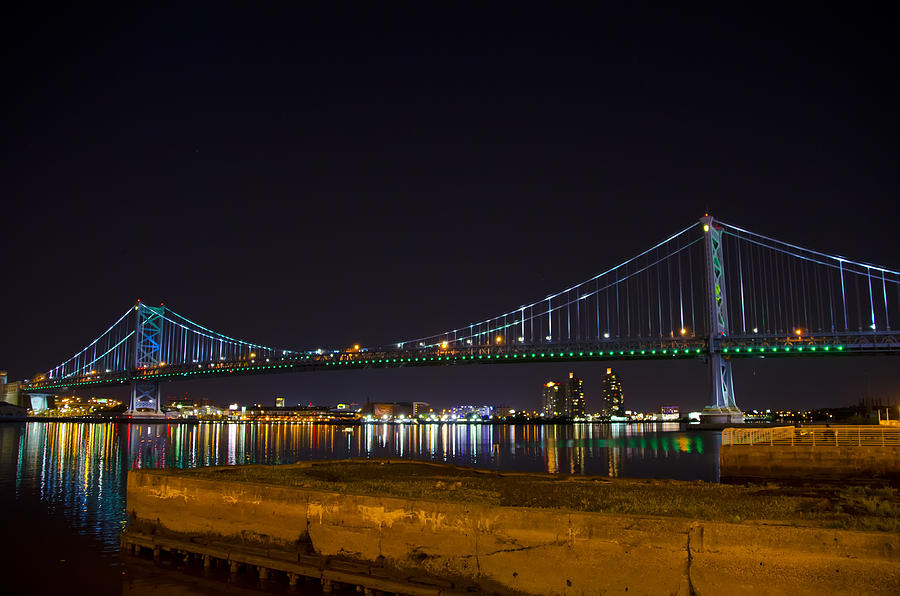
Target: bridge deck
[[605, 351]]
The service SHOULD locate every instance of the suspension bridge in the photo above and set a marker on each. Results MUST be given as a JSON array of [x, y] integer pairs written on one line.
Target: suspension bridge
[[711, 291]]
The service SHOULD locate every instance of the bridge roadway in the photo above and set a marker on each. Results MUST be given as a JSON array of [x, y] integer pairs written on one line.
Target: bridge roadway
[[746, 346]]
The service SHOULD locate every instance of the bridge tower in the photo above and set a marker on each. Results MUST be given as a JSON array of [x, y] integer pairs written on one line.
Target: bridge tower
[[148, 334], [722, 407]]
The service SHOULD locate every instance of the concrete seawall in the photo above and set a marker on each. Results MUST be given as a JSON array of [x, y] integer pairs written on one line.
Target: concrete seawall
[[522, 550], [786, 461]]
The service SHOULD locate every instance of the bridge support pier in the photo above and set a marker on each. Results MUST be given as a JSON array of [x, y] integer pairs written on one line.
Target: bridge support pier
[[145, 401], [722, 408], [39, 401], [148, 326]]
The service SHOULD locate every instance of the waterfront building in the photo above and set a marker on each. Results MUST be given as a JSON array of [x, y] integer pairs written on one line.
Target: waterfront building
[[575, 397], [563, 400], [613, 394], [469, 411], [553, 400], [279, 402], [669, 412], [396, 409], [294, 414]]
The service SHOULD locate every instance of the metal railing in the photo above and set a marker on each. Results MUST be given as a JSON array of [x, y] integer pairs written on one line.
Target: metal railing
[[814, 436]]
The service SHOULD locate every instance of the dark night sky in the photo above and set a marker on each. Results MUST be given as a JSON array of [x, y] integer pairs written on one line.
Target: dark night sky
[[320, 176]]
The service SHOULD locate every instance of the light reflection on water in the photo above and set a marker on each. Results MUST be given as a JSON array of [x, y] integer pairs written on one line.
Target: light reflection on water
[[67, 477], [646, 450]]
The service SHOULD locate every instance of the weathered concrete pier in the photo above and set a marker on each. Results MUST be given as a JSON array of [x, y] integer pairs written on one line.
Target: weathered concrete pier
[[430, 546], [820, 452]]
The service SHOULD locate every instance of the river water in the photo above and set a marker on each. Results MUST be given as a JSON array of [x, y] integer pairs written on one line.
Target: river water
[[62, 484]]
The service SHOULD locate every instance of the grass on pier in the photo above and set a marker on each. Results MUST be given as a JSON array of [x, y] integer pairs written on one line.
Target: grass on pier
[[855, 507]]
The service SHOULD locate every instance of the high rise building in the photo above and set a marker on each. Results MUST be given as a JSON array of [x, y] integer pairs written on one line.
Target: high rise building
[[575, 397], [563, 400], [553, 400], [613, 395]]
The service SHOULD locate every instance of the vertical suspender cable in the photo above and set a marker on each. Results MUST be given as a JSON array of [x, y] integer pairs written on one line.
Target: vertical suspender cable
[[871, 300], [680, 294], [828, 278], [659, 329], [843, 294], [779, 289], [627, 306], [577, 313], [741, 275], [618, 311], [692, 283], [669, 290], [859, 318], [789, 282], [804, 293], [550, 318]]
